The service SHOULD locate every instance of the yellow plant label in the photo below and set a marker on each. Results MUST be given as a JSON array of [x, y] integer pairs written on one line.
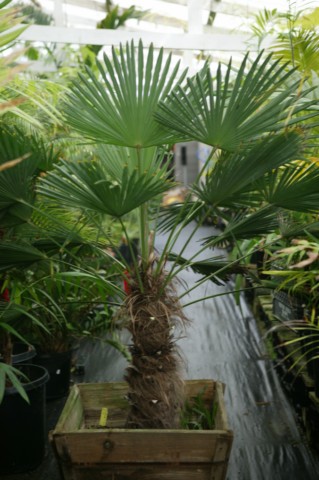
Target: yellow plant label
[[103, 417]]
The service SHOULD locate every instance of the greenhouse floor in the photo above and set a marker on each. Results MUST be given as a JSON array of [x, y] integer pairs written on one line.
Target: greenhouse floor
[[223, 343]]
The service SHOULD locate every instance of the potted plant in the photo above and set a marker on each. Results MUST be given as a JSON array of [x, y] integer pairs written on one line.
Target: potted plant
[[65, 303], [23, 154], [295, 301], [294, 274], [137, 106]]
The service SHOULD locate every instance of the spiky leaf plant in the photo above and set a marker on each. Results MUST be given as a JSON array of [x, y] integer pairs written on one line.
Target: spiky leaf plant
[[139, 105]]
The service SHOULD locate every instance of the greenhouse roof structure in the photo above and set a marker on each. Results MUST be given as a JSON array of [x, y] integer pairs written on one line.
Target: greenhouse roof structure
[[194, 25]]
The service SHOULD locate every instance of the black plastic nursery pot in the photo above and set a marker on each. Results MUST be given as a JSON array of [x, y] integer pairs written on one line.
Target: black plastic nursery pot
[[315, 366], [22, 353], [22, 424], [286, 307], [58, 365]]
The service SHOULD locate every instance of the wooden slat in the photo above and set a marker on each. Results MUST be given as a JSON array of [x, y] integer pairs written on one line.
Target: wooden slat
[[72, 415], [221, 420], [154, 472], [134, 446]]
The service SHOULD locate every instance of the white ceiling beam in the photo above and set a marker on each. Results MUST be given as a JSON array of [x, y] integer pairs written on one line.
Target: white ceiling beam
[[78, 22], [183, 41], [58, 13], [195, 22]]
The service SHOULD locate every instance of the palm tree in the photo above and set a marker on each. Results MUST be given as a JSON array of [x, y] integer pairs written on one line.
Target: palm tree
[[258, 121]]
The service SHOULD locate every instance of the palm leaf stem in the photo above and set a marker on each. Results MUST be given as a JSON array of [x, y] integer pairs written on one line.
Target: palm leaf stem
[[218, 295], [221, 270], [201, 173], [189, 263], [143, 218], [135, 261], [172, 273], [170, 242], [172, 238]]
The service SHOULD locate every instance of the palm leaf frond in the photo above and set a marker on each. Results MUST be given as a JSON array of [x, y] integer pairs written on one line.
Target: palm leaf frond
[[15, 255], [217, 269], [118, 109], [248, 225], [237, 171], [89, 186], [227, 113], [17, 182], [295, 188]]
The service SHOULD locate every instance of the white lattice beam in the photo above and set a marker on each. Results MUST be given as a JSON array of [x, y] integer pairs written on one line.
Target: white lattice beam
[[187, 41]]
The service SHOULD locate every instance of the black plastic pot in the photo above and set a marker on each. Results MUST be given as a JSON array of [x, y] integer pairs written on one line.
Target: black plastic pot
[[58, 364], [22, 353], [315, 367], [22, 424], [286, 307]]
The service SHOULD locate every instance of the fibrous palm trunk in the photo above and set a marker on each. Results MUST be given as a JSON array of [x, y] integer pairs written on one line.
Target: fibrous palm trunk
[[154, 376]]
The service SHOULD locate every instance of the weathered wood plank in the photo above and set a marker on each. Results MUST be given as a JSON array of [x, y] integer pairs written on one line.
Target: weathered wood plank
[[151, 472], [72, 415], [221, 420], [133, 446]]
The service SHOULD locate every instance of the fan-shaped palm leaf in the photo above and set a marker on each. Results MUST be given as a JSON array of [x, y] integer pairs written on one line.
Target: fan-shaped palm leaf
[[217, 268], [89, 185], [247, 225], [17, 182], [119, 108], [14, 255], [227, 112], [233, 172], [116, 158], [295, 188]]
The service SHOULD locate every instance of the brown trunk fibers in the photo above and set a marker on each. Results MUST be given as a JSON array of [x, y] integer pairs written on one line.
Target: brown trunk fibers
[[156, 388]]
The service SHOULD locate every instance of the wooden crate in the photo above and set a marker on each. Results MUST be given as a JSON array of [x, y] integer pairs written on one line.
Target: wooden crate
[[87, 452]]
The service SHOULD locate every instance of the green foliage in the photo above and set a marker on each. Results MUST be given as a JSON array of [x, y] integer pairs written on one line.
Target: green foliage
[[27, 155], [15, 377], [115, 17], [64, 304], [9, 17], [302, 347], [295, 269], [294, 33], [242, 170], [264, 24], [257, 118], [196, 415], [111, 184], [33, 14], [227, 113], [119, 109]]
